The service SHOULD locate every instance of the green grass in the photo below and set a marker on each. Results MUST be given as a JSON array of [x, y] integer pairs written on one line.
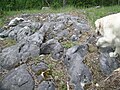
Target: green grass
[[95, 13], [69, 44]]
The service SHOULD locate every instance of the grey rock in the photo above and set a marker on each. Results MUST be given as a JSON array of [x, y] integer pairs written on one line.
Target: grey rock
[[47, 26], [28, 46], [81, 50], [23, 33], [1, 88], [61, 18], [19, 33], [13, 33], [78, 87], [0, 49], [36, 25], [31, 25], [74, 18], [81, 27], [59, 26], [36, 38], [69, 59], [79, 72], [25, 23], [46, 85], [9, 57], [54, 47], [47, 30], [108, 64], [40, 78], [28, 49], [69, 23], [18, 79], [52, 17], [5, 33], [1, 30], [13, 55], [39, 67], [63, 33], [74, 38], [24, 30]]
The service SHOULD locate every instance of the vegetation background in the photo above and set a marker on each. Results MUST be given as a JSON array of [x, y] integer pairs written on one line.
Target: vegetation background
[[8, 5]]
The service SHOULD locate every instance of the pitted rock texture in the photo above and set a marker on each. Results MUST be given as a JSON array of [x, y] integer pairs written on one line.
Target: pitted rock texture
[[54, 52]]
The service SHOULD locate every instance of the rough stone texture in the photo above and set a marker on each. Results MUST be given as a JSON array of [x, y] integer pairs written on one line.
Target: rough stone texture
[[54, 47], [5, 33], [46, 85], [39, 67], [11, 56], [79, 72], [108, 64], [18, 79], [24, 30], [1, 30]]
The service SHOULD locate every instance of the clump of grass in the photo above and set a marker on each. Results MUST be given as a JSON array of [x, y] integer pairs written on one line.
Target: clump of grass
[[69, 44], [95, 13]]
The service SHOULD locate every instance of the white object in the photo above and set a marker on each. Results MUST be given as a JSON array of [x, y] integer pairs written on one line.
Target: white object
[[109, 28]]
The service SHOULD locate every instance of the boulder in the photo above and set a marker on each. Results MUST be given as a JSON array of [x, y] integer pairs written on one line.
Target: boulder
[[108, 64], [18, 79], [78, 71], [52, 47], [12, 56]]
